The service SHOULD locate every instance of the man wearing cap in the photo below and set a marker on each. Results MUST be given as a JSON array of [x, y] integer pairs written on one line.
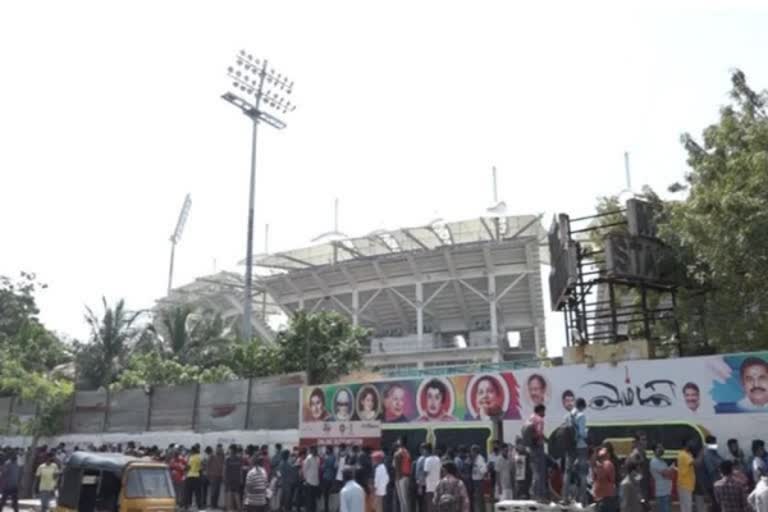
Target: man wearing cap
[[380, 479]]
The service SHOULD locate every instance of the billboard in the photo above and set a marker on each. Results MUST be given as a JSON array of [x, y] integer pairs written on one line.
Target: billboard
[[706, 391]]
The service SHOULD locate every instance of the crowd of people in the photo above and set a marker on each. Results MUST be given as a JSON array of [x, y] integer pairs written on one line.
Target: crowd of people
[[563, 467]]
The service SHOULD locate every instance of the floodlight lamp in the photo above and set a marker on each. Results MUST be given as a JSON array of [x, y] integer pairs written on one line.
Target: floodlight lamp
[[460, 341], [230, 69], [513, 339]]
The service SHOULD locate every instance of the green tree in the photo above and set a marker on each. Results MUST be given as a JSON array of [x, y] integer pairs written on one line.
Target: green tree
[[193, 338], [721, 228], [113, 336], [51, 395], [326, 345], [152, 369], [22, 335]]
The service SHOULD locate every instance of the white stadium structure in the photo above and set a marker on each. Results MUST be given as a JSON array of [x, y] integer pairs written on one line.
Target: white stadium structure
[[445, 294]]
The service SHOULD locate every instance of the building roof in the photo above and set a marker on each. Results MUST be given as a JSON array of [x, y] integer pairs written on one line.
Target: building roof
[[401, 240]]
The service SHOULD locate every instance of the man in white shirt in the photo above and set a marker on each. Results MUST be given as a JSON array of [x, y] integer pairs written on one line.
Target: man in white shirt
[[758, 499], [503, 469], [380, 479], [479, 469], [311, 471], [431, 475], [352, 496]]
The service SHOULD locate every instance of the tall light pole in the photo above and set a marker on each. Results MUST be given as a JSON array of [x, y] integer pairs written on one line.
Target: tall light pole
[[256, 88], [176, 236]]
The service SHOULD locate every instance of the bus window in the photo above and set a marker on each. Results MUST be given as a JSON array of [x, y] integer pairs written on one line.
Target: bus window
[[414, 438], [454, 437]]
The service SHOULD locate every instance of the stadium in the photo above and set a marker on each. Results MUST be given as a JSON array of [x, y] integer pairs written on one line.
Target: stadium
[[444, 294]]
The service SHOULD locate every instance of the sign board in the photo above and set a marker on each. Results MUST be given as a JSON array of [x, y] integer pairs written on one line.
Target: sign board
[[637, 258], [640, 219], [564, 259]]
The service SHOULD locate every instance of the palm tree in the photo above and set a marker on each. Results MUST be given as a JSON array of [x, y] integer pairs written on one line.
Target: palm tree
[[112, 338], [193, 338]]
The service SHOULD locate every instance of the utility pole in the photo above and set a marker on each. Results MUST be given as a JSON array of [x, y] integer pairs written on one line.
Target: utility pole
[[257, 88], [176, 236]]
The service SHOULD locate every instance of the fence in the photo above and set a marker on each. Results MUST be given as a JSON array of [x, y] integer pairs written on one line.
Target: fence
[[270, 403]]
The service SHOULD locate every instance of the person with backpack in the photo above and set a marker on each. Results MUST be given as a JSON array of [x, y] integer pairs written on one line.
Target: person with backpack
[[451, 493], [582, 450], [533, 439]]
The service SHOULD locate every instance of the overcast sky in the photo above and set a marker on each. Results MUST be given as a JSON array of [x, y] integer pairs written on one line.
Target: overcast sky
[[110, 112]]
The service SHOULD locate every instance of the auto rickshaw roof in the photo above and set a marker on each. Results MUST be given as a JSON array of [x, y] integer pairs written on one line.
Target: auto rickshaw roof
[[111, 462]]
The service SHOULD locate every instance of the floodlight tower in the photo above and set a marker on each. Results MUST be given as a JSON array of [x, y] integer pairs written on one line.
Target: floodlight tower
[[176, 236], [256, 88]]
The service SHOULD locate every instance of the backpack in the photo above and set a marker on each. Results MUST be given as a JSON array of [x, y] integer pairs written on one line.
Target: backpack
[[450, 496], [529, 435]]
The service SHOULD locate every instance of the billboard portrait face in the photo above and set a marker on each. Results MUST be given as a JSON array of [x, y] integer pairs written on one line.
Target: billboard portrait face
[[395, 403], [487, 397], [342, 405], [569, 400], [436, 400], [368, 403], [692, 396], [537, 390], [316, 406], [754, 380]]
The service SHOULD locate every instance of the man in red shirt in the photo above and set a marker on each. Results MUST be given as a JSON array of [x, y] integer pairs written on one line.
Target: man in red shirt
[[402, 464], [178, 466], [604, 485]]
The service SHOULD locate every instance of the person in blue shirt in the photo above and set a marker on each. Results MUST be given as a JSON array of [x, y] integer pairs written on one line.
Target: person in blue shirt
[[582, 449]]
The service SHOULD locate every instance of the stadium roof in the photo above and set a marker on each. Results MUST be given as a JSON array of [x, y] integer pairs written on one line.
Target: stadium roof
[[420, 238]]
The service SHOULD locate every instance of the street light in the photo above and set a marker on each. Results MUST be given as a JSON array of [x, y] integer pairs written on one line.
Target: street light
[[176, 236], [256, 88]]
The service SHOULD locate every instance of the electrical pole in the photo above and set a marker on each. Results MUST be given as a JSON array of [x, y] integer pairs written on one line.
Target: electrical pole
[[256, 88]]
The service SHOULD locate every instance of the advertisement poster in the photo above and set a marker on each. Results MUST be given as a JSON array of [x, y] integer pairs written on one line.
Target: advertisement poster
[[704, 391]]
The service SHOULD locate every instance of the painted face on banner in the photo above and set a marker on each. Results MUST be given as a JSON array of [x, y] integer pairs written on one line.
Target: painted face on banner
[[537, 389], [487, 397], [368, 403], [434, 402], [317, 405], [343, 405], [754, 380], [692, 396], [394, 402]]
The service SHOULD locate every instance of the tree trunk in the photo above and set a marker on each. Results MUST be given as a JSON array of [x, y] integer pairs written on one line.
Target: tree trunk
[[28, 477]]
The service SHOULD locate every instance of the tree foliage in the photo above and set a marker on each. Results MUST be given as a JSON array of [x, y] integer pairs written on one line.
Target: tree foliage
[[113, 336], [719, 232], [152, 369]]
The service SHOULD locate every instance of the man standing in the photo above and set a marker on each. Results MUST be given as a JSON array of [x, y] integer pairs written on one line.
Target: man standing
[[256, 483], [736, 455], [328, 475], [419, 477], [729, 493], [568, 431], [451, 493], [192, 484], [534, 438], [46, 481], [582, 449], [431, 476], [503, 469], [380, 480], [632, 498], [289, 479], [711, 461], [686, 477], [352, 496], [11, 476], [758, 459], [638, 454], [604, 485], [662, 480], [232, 468], [758, 500], [216, 474], [311, 471], [402, 463], [479, 470]]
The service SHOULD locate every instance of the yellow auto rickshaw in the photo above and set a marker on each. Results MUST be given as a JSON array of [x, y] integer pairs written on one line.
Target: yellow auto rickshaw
[[105, 482]]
